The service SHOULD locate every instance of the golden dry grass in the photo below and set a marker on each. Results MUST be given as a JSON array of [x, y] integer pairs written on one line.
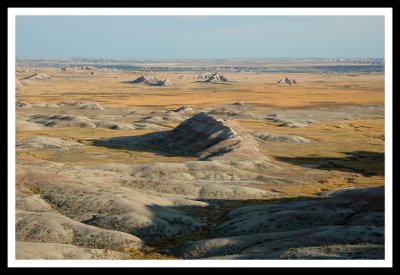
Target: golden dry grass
[[331, 139], [91, 155], [260, 88]]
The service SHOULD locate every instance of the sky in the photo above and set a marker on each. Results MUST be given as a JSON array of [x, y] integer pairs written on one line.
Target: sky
[[177, 37]]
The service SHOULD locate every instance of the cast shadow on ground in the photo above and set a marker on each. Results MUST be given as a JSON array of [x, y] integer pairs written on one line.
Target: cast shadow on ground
[[363, 162], [355, 217], [151, 142]]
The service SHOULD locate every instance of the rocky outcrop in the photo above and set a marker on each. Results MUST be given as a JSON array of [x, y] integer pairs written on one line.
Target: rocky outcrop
[[281, 138], [52, 227], [63, 120], [151, 81], [203, 135], [37, 77], [45, 105], [87, 105], [22, 69], [57, 251], [214, 78], [287, 81], [138, 80], [345, 220], [39, 142], [184, 110], [231, 112], [88, 68], [287, 122], [23, 105]]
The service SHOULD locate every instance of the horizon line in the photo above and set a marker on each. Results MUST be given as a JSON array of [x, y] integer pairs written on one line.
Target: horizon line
[[185, 58]]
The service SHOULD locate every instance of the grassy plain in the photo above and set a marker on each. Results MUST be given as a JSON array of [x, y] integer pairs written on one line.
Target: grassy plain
[[346, 131], [332, 139]]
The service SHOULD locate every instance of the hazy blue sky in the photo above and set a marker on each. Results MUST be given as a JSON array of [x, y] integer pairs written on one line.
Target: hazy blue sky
[[199, 36]]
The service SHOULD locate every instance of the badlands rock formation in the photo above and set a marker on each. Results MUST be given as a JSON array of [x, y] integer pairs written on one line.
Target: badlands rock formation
[[92, 208], [151, 81], [213, 78], [281, 138], [23, 105], [190, 181], [45, 142], [63, 120], [202, 136], [184, 110], [287, 122], [287, 81], [348, 221], [87, 105], [45, 105], [57, 251], [88, 68], [37, 77], [231, 112]]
